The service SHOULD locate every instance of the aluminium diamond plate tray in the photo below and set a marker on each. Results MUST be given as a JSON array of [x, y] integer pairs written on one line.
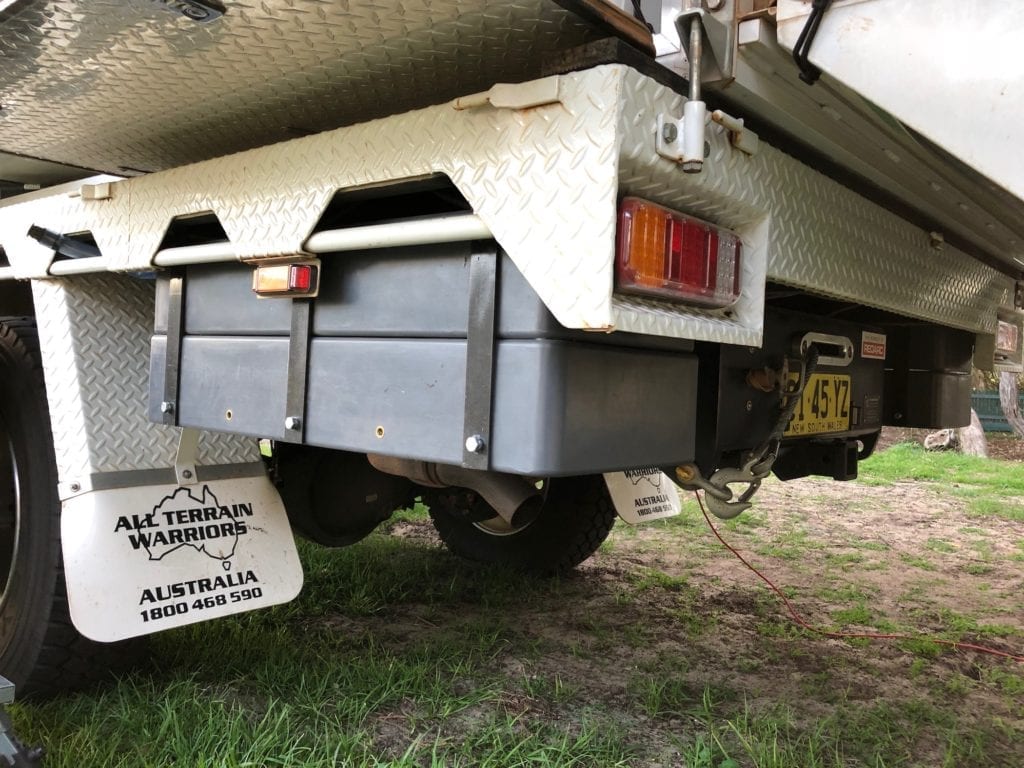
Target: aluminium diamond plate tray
[[546, 181], [132, 85]]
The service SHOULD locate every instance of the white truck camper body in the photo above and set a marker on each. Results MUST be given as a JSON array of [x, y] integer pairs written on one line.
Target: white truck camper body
[[390, 239]]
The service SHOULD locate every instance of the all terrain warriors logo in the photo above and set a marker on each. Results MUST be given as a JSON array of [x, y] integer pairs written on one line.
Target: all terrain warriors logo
[[185, 520]]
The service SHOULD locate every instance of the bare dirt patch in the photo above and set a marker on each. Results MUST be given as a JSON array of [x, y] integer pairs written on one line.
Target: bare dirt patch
[[664, 623]]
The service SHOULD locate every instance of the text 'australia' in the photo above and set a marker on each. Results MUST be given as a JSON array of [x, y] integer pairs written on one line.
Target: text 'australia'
[[196, 587]]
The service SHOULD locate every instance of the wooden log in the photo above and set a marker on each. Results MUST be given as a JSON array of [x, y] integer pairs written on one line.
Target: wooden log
[[1008, 401], [972, 438]]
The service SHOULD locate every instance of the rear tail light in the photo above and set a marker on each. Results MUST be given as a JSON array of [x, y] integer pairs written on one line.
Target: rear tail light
[[666, 255], [1007, 338]]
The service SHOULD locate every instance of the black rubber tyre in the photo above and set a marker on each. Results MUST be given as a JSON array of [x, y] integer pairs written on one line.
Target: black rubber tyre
[[40, 651], [577, 516]]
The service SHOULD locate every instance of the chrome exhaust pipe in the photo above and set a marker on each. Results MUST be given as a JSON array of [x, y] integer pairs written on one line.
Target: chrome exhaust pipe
[[515, 499]]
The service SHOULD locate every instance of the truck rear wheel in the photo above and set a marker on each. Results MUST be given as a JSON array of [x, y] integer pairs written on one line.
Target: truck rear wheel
[[40, 651], [575, 519]]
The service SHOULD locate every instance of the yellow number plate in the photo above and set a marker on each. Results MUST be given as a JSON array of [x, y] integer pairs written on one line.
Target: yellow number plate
[[824, 407]]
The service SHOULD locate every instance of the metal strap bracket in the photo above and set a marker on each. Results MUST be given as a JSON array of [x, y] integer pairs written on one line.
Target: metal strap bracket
[[476, 421], [185, 458], [298, 369], [172, 362]]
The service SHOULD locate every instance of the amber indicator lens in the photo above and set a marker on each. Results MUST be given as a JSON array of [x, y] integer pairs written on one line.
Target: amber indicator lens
[[668, 255]]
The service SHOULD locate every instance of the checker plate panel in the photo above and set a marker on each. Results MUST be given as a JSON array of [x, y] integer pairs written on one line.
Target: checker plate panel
[[116, 85], [545, 180], [94, 333]]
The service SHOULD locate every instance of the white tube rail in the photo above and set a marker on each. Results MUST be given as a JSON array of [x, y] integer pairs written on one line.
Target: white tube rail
[[451, 228]]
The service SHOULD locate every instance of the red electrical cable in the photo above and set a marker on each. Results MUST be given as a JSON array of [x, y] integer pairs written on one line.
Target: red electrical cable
[[847, 635]]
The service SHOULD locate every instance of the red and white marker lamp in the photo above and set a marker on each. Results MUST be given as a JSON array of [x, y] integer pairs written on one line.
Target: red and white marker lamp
[[665, 254], [287, 280], [1007, 341]]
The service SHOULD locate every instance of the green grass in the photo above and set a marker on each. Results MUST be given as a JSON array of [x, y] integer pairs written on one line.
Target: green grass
[[989, 488], [978, 569], [918, 562], [396, 654], [940, 545], [909, 461], [282, 687]]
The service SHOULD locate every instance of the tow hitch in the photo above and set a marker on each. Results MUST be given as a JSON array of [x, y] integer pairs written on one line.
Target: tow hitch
[[719, 497]]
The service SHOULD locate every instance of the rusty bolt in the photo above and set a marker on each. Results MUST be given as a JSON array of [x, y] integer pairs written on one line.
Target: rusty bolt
[[685, 473]]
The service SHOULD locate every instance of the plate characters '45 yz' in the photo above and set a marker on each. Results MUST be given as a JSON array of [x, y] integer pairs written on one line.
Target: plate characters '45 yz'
[[824, 406]]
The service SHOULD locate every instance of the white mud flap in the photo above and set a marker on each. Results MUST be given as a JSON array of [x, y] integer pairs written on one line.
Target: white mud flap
[[642, 495], [143, 559]]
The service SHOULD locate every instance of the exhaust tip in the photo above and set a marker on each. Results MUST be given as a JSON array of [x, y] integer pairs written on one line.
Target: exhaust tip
[[527, 512]]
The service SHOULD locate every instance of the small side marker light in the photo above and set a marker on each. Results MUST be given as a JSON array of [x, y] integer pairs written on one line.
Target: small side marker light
[[286, 280]]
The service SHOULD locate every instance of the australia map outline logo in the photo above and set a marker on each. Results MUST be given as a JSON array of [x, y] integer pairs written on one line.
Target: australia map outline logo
[[651, 475], [185, 519]]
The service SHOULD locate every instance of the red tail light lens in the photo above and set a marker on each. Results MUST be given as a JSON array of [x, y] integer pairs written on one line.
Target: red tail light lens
[[666, 255], [300, 278]]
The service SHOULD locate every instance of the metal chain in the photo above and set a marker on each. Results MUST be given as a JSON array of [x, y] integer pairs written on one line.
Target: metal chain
[[721, 500]]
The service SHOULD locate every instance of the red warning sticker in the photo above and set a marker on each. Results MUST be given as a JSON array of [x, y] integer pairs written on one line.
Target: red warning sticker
[[872, 345]]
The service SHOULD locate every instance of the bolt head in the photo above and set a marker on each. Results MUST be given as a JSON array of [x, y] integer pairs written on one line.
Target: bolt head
[[669, 132], [292, 422], [76, 487], [475, 444], [187, 474], [166, 407], [685, 473]]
